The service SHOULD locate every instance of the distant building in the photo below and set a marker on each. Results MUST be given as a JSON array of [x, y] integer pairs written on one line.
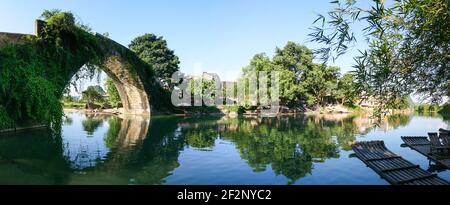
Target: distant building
[[210, 76], [204, 76]]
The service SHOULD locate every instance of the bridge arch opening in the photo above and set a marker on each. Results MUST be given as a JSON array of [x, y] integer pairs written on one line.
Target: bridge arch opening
[[130, 87]]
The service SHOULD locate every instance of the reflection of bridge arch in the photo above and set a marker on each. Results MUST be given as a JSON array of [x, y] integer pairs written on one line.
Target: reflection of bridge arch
[[140, 154], [133, 78], [124, 134], [133, 131]]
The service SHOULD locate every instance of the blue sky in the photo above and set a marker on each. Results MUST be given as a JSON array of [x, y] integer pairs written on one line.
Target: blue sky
[[218, 36]]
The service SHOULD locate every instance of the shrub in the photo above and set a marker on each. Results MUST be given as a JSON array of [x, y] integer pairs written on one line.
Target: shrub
[[5, 120], [445, 109], [427, 108]]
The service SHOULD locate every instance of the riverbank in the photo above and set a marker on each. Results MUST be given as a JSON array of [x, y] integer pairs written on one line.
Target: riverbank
[[23, 128], [234, 111], [329, 112], [338, 109], [113, 111]]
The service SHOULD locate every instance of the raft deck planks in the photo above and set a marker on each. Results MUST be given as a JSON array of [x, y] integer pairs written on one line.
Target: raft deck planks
[[422, 145], [392, 167]]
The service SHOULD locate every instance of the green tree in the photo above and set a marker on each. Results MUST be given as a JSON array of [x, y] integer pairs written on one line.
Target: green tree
[[408, 46], [5, 121], [293, 61], [113, 94], [300, 80], [91, 124], [56, 16], [289, 89], [91, 95], [294, 57], [153, 50], [346, 91], [319, 82]]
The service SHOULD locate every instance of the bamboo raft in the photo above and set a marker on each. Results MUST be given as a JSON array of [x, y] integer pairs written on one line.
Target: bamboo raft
[[393, 168], [422, 145]]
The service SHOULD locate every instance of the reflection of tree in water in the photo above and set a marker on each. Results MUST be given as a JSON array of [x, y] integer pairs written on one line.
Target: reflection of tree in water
[[446, 119], [113, 132], [33, 157], [88, 152], [199, 132], [91, 124], [365, 124], [289, 146], [158, 156], [200, 138], [398, 120]]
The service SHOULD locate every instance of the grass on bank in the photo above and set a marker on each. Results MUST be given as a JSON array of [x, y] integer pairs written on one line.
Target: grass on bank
[[74, 105]]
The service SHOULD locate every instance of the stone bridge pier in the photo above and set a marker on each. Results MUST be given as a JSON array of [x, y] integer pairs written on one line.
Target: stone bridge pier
[[131, 89]]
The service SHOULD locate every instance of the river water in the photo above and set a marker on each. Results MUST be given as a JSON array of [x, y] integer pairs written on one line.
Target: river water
[[105, 149]]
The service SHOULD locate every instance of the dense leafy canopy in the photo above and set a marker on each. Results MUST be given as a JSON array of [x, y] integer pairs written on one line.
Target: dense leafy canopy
[[347, 90], [408, 46], [153, 50], [91, 95], [301, 82]]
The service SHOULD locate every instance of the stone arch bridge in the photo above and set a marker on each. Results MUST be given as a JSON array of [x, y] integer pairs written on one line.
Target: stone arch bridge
[[133, 78]]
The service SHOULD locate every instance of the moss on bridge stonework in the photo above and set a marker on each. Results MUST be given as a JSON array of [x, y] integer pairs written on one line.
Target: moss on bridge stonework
[[34, 70]]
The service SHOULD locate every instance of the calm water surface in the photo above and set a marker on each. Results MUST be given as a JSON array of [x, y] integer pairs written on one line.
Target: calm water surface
[[102, 149]]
